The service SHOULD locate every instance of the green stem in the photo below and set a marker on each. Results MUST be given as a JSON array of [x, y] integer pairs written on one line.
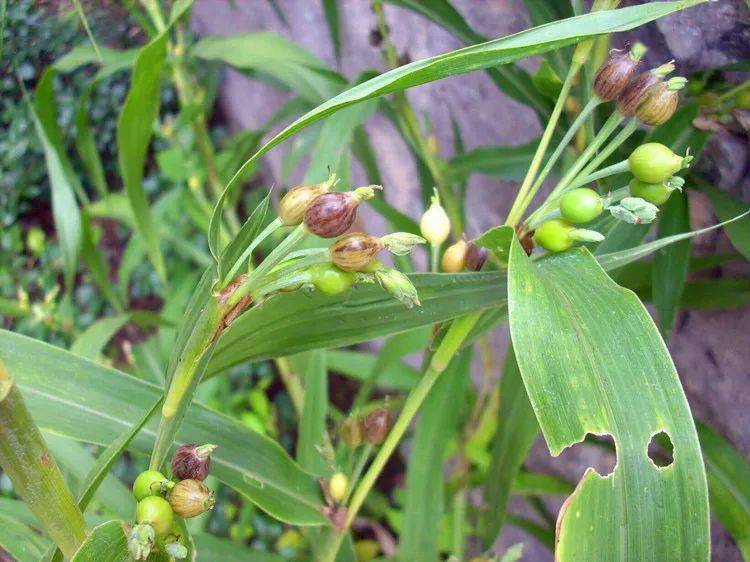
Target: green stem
[[280, 283], [613, 145], [188, 372], [364, 456], [271, 261], [272, 227], [454, 338], [520, 204], [459, 517], [294, 264], [25, 459], [434, 257], [612, 170], [577, 124]]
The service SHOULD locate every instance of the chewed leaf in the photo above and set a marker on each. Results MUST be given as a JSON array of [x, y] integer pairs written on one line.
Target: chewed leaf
[[593, 362]]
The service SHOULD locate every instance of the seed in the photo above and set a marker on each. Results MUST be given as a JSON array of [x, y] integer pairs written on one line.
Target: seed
[[192, 461], [476, 256], [156, 511], [581, 205], [554, 235], [352, 252], [653, 162], [190, 498], [376, 425], [454, 257]]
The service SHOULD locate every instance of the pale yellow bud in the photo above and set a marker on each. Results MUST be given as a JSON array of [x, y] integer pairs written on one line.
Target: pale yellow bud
[[435, 224]]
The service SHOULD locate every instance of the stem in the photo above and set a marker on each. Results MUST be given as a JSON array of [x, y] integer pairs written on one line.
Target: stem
[[154, 12], [271, 261], [272, 227], [459, 516], [612, 170], [188, 372], [434, 257], [454, 338], [520, 203], [364, 456], [280, 283], [292, 383], [316, 256], [24, 457], [410, 126], [613, 145], [579, 121]]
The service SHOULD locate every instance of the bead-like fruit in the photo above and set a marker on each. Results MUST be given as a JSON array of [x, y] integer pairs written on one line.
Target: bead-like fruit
[[476, 256], [653, 162], [351, 432], [660, 102], [435, 224], [293, 205], [157, 512], [331, 214], [655, 193], [192, 461], [615, 73], [634, 92], [581, 205], [454, 257], [376, 425], [337, 486], [190, 498], [330, 280], [353, 251], [148, 483], [553, 235]]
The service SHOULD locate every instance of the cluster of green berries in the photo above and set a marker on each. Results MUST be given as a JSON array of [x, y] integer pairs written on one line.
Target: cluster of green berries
[[652, 101], [353, 257], [161, 501]]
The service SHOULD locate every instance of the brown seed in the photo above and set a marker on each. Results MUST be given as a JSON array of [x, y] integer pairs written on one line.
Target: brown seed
[[190, 498], [658, 105], [191, 461], [633, 94], [351, 432], [613, 76], [376, 425], [292, 206], [331, 214], [476, 256], [354, 251]]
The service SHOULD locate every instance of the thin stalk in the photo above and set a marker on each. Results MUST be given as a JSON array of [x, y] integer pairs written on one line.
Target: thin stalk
[[292, 383], [292, 265], [154, 12], [280, 283], [25, 459], [445, 352], [612, 170], [459, 517], [520, 204], [272, 227], [271, 261], [434, 257], [410, 125], [613, 145], [576, 125], [364, 456], [733, 92]]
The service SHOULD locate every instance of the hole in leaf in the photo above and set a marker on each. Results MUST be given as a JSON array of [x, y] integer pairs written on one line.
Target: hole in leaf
[[661, 449], [599, 454]]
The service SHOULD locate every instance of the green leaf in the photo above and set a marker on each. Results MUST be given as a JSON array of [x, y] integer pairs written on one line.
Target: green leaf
[[86, 144], [506, 161], [276, 56], [437, 426], [726, 207], [615, 260], [98, 268], [294, 322], [593, 362], [331, 10], [89, 402], [241, 243], [134, 130], [21, 542], [359, 365], [92, 340], [537, 484], [516, 429], [671, 262], [312, 424], [107, 543], [485, 55], [65, 210], [210, 547], [729, 485]]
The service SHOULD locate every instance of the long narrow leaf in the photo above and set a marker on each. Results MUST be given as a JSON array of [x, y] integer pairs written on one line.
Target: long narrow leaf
[[593, 362]]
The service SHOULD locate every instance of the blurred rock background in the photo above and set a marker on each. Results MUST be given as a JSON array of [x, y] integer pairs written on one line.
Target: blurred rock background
[[711, 349]]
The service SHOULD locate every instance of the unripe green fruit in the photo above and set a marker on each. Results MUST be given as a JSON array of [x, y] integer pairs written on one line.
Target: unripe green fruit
[[653, 162], [148, 483], [35, 240], [337, 486], [331, 280], [157, 512], [656, 193], [581, 205], [553, 235]]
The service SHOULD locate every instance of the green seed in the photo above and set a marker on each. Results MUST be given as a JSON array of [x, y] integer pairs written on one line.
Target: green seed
[[147, 484], [553, 235], [330, 280], [653, 162], [581, 205], [656, 193], [156, 511]]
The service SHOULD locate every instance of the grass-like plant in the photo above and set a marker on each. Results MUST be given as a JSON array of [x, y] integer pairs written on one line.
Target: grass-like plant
[[289, 282]]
